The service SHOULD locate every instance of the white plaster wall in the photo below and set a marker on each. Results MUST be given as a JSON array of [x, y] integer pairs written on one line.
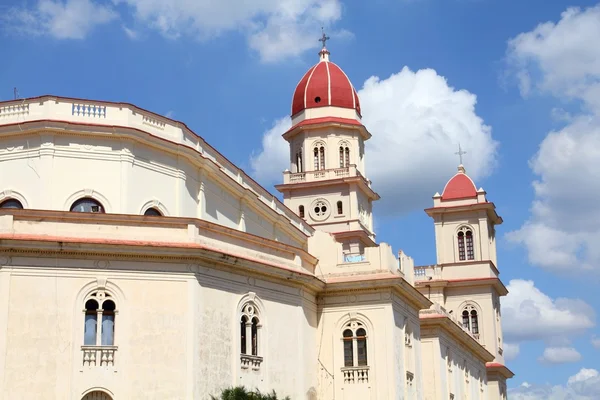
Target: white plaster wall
[[52, 171], [452, 379], [177, 333], [490, 329]]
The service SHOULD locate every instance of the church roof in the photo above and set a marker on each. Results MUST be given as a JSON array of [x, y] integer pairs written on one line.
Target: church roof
[[324, 84], [460, 186]]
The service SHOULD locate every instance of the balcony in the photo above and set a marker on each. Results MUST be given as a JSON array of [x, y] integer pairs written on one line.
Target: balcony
[[356, 375], [321, 175], [428, 272], [248, 361], [98, 356]]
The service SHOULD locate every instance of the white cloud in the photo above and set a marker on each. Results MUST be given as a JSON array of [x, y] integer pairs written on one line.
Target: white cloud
[[70, 19], [131, 34], [529, 314], [596, 342], [511, 351], [562, 59], [585, 385], [268, 165], [560, 355], [275, 28], [417, 121]]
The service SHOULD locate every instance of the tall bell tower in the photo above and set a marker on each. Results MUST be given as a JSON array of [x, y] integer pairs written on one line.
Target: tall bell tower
[[326, 182], [467, 281]]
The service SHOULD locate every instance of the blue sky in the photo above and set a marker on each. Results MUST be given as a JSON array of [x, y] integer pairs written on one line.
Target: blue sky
[[228, 71]]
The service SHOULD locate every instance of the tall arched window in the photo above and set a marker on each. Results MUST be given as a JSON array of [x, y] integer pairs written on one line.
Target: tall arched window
[[319, 156], [250, 330], [301, 211], [299, 163], [99, 307], [466, 250], [344, 156], [470, 319], [354, 339], [11, 203], [340, 208], [87, 204]]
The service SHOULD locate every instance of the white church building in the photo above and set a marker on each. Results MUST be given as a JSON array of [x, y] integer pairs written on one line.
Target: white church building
[[136, 262]]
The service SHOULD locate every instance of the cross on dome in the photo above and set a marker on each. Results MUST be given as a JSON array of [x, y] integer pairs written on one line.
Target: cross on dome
[[324, 53], [324, 38], [460, 154]]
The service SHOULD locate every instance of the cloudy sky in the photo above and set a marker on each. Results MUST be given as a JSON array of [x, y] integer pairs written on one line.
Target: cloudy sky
[[516, 82]]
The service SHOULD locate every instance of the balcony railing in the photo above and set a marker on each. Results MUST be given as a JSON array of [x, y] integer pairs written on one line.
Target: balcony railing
[[356, 375], [248, 361], [98, 355], [324, 174]]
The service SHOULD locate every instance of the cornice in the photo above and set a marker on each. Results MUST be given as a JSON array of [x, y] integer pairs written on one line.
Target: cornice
[[195, 156], [444, 323], [341, 284]]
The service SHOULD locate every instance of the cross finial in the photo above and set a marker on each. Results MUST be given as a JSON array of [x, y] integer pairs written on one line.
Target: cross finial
[[324, 37], [460, 153]]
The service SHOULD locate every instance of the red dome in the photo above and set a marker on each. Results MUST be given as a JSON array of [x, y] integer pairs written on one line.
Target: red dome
[[325, 84], [460, 186]]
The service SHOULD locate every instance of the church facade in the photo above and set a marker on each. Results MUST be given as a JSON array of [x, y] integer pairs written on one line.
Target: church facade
[[136, 262]]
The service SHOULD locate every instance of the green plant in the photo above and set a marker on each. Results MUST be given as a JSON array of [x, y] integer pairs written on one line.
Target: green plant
[[241, 393]]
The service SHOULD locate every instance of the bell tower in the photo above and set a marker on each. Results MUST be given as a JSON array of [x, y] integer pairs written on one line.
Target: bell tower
[[466, 281], [326, 182]]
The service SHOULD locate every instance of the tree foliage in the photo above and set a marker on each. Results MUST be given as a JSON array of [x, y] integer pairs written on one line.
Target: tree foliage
[[241, 393]]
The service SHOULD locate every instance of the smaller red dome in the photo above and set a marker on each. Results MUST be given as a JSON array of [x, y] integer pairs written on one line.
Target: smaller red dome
[[325, 84], [460, 186]]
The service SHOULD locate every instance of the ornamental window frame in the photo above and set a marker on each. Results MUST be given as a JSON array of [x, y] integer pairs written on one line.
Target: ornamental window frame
[[104, 334], [10, 195], [465, 243], [250, 332], [344, 154], [355, 337], [319, 152], [470, 318]]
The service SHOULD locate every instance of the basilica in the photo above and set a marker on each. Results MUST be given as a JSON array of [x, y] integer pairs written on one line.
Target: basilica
[[137, 262]]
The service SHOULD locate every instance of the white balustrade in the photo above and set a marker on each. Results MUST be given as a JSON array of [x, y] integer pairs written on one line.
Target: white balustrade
[[98, 355], [88, 110], [14, 110], [249, 361], [354, 375]]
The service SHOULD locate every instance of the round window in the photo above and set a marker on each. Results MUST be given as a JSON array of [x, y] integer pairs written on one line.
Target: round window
[[320, 209]]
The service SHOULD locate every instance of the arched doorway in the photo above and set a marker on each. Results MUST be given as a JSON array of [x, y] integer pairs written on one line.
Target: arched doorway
[[97, 395]]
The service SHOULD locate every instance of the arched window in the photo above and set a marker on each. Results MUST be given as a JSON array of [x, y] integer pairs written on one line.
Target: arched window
[[466, 250], [354, 338], [250, 330], [97, 395], [91, 321], [470, 320], [319, 156], [299, 162], [153, 212], [11, 203], [301, 211], [87, 204], [99, 306], [344, 156], [340, 208]]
